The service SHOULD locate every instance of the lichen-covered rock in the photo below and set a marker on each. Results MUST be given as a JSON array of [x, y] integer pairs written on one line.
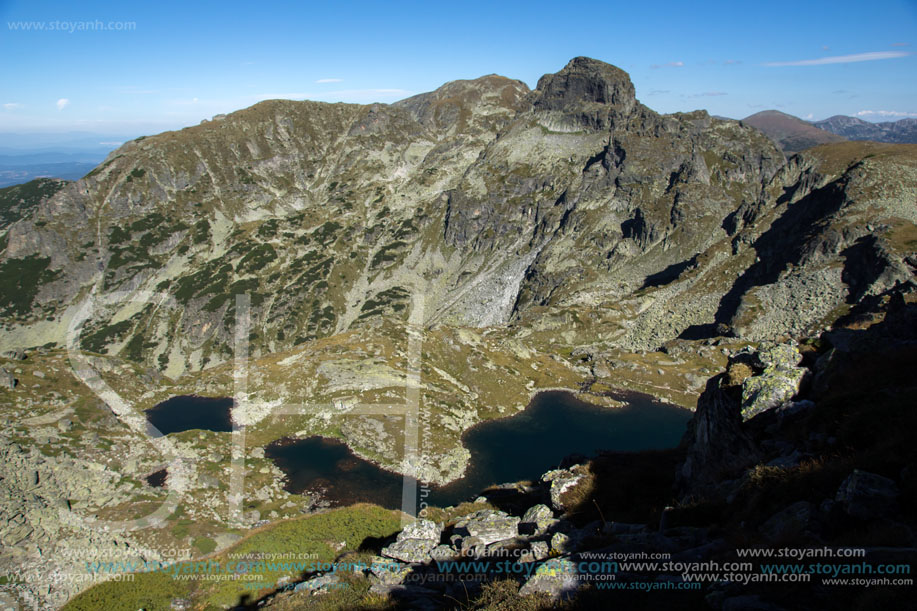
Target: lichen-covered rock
[[779, 381], [415, 542], [540, 550], [560, 543], [777, 356], [421, 529], [388, 572], [556, 577], [472, 546], [489, 526], [414, 551], [561, 480], [866, 495], [540, 517]]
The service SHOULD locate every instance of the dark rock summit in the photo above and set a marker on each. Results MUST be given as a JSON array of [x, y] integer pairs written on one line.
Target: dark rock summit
[[592, 92]]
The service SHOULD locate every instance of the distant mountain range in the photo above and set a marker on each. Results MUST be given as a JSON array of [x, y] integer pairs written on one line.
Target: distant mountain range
[[793, 134], [902, 131]]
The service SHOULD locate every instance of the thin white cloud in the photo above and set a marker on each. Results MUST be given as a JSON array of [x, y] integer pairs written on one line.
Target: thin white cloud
[[12, 106], [330, 80], [901, 44], [668, 65], [110, 143], [732, 62], [843, 59], [710, 94], [63, 103], [885, 113]]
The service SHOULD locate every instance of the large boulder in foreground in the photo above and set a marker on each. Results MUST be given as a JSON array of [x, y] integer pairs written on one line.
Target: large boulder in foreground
[[415, 542], [489, 526], [779, 381]]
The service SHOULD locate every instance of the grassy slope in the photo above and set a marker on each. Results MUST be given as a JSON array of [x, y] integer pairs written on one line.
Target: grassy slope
[[316, 537]]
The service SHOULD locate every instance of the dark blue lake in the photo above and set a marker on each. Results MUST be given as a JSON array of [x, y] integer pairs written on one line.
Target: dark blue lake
[[521, 447], [187, 412]]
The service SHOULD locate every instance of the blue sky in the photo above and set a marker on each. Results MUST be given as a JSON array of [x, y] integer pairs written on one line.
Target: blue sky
[[164, 65]]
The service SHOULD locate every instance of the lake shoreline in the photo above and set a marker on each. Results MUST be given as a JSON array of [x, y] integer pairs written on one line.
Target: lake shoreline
[[628, 406]]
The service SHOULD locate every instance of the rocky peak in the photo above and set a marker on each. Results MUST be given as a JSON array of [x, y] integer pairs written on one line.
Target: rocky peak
[[585, 84]]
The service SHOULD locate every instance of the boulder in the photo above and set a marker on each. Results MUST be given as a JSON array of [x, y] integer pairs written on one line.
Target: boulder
[[421, 529], [560, 543], [540, 550], [489, 526], [413, 551], [561, 480], [473, 547], [556, 578], [540, 518], [867, 495], [777, 356], [388, 572], [415, 542], [769, 390], [788, 522], [779, 381], [7, 379]]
